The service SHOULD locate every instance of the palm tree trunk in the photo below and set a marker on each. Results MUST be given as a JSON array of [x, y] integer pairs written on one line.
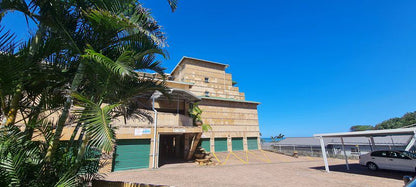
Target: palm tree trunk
[[11, 116], [33, 118], [82, 148], [65, 112]]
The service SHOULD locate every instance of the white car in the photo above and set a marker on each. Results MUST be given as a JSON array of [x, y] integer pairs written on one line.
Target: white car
[[392, 160]]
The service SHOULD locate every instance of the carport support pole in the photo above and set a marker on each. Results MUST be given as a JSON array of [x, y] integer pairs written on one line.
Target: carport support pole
[[411, 142], [373, 144], [345, 154], [324, 154]]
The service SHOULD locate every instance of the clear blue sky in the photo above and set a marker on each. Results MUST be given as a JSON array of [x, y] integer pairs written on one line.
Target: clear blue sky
[[316, 66]]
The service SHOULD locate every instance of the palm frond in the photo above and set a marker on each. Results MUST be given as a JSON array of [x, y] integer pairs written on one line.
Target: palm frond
[[118, 67], [19, 157], [6, 41], [135, 22], [15, 5], [11, 167], [173, 4], [97, 121], [69, 179]]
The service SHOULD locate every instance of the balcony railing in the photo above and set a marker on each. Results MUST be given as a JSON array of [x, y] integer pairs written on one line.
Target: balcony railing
[[163, 120]]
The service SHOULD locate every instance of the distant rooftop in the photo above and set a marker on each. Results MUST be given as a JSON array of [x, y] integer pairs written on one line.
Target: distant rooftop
[[386, 140]]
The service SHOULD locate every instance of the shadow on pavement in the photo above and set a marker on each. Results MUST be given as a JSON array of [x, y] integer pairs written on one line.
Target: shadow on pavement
[[362, 170]]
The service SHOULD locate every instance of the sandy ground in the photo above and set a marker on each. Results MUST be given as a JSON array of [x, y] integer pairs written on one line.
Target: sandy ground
[[258, 168]]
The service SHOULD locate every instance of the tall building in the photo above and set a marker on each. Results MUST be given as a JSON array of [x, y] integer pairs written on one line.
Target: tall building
[[234, 120]]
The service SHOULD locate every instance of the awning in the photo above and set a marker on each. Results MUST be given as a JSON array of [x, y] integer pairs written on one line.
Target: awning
[[174, 94]]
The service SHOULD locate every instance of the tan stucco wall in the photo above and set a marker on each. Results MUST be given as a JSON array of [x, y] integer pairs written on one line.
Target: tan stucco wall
[[230, 119], [220, 82]]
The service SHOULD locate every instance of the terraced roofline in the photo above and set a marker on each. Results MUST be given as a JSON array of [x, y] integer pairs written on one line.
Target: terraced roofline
[[228, 99], [157, 77], [201, 60]]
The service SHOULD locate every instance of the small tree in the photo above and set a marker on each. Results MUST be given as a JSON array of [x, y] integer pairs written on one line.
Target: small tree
[[196, 114], [278, 138]]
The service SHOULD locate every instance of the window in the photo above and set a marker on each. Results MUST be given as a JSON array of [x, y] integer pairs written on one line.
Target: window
[[403, 156], [409, 154], [379, 153], [354, 150], [206, 93], [394, 154], [206, 79]]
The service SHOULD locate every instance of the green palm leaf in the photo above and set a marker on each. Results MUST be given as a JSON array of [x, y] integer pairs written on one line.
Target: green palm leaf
[[118, 67], [6, 41], [69, 179], [136, 21], [97, 121]]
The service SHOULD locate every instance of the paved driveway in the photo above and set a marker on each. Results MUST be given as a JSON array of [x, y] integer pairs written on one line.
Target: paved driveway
[[261, 169]]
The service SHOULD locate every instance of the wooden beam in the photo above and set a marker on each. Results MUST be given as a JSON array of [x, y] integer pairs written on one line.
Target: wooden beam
[[194, 145]]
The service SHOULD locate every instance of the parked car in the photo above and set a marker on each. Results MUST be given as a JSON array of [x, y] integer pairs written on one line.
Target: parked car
[[409, 181], [391, 160]]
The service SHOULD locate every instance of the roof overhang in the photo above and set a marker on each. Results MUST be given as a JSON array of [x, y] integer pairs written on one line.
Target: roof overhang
[[370, 133], [173, 94], [183, 94]]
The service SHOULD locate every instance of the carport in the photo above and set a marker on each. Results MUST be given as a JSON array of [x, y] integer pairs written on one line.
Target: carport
[[369, 134]]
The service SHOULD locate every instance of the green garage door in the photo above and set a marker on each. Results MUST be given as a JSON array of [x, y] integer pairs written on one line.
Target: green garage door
[[205, 143], [221, 145], [131, 154], [252, 143], [237, 144]]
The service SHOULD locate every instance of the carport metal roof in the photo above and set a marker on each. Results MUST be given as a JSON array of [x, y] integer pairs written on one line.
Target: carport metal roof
[[370, 134]]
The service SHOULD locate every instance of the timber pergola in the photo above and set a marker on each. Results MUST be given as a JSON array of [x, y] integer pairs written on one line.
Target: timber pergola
[[370, 134]]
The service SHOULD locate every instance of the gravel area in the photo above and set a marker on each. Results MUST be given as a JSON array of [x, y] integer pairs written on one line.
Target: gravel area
[[262, 169]]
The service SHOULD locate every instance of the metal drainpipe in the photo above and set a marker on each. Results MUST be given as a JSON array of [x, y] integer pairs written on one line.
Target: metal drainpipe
[[154, 133]]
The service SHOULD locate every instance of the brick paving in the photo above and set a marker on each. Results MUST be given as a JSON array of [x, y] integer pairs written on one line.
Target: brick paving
[[259, 168]]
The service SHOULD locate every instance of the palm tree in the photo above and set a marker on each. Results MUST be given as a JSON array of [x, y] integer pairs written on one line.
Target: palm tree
[[87, 50]]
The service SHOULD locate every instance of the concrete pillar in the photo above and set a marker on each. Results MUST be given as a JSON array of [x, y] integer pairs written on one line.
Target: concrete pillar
[[245, 142], [229, 144], [259, 142], [212, 142]]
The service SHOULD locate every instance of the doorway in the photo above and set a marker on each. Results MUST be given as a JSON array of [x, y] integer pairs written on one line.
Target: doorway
[[171, 149]]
